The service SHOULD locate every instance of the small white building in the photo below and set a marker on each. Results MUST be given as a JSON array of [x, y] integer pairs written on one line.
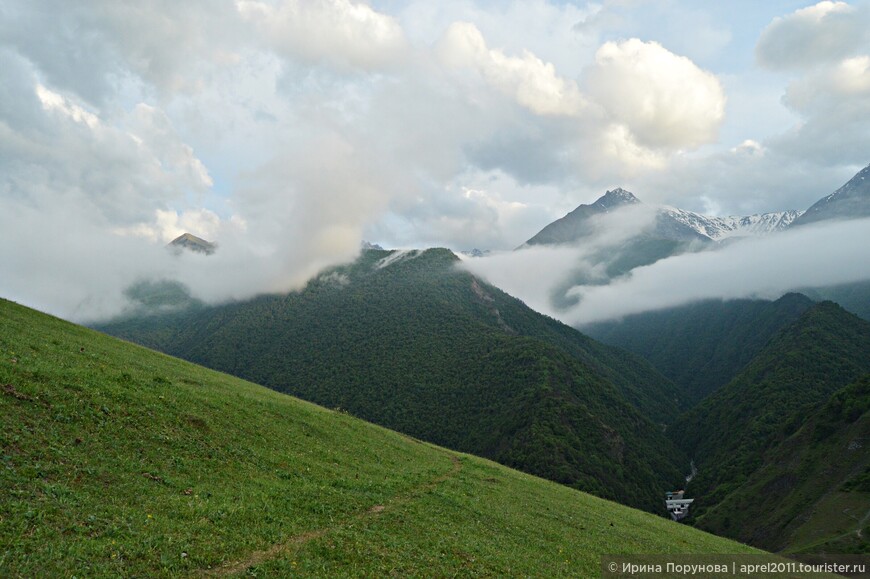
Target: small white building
[[677, 506]]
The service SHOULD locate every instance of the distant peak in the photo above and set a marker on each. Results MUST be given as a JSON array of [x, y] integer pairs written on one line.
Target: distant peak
[[192, 243], [366, 246], [188, 237], [615, 197]]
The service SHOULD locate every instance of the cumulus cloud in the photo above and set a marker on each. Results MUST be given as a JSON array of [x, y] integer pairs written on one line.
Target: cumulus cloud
[[828, 46], [532, 82], [90, 197], [68, 155], [636, 105], [664, 100], [338, 32], [95, 48], [818, 34]]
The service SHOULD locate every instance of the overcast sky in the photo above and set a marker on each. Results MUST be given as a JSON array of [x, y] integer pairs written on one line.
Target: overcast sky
[[289, 130]]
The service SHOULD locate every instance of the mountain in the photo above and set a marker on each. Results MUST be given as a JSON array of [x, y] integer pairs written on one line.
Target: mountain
[[854, 297], [366, 245], [575, 225], [476, 252], [850, 201], [720, 228], [122, 462], [670, 223], [641, 235], [190, 242], [800, 500], [730, 433], [410, 341], [703, 345]]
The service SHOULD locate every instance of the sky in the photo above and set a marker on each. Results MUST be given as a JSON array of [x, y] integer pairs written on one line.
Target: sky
[[288, 131]]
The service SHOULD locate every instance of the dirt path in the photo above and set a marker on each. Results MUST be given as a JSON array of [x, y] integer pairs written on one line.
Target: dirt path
[[861, 524], [296, 541]]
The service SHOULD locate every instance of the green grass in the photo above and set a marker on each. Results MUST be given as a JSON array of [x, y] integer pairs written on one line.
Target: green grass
[[834, 525], [119, 461]]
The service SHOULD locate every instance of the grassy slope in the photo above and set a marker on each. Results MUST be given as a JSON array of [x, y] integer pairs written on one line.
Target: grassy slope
[[426, 349], [117, 460]]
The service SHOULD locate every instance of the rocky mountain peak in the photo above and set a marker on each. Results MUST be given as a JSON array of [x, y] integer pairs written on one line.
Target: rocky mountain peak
[[850, 201], [617, 197], [191, 242]]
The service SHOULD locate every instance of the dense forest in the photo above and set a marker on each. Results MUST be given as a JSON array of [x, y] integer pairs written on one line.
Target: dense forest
[[733, 435], [703, 345], [811, 492]]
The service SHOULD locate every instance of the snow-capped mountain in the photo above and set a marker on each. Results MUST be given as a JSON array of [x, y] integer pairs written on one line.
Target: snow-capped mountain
[[577, 225], [670, 223], [850, 201], [717, 228]]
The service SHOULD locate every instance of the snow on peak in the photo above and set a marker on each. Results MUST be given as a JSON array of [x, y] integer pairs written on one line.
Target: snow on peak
[[718, 228], [620, 195], [398, 255]]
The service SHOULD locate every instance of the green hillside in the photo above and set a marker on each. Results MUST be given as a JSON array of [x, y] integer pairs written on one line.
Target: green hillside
[[854, 297], [409, 341], [801, 500], [702, 346], [731, 432], [119, 461]]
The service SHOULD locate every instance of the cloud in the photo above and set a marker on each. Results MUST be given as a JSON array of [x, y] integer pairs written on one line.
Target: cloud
[[828, 46], [90, 197], [816, 35], [340, 33], [827, 254], [627, 115], [287, 130], [68, 154], [541, 275], [663, 99], [96, 49], [532, 82]]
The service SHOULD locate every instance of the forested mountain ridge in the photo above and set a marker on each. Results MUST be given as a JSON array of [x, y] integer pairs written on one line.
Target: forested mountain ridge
[[408, 340], [703, 345], [812, 492], [730, 433]]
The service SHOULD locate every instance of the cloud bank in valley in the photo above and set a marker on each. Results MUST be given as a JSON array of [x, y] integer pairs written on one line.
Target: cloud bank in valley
[[824, 254]]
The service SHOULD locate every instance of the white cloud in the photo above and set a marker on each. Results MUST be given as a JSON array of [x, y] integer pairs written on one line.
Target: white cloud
[[285, 129], [532, 82], [169, 224], [767, 267], [665, 100], [811, 256], [96, 48], [825, 89], [51, 101], [152, 128], [816, 35], [336, 32], [828, 45]]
